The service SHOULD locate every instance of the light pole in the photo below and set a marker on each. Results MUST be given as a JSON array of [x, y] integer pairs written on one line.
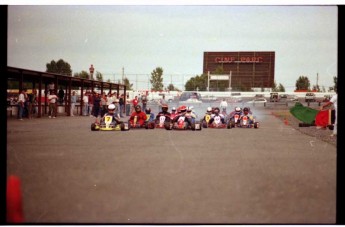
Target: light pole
[[92, 69]]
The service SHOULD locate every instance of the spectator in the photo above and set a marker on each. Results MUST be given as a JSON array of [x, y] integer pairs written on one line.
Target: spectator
[[122, 105], [32, 101], [117, 108], [52, 99], [144, 102], [51, 87], [223, 105], [96, 105], [104, 104], [162, 102], [90, 109], [73, 102], [61, 95], [21, 101], [135, 102], [86, 104]]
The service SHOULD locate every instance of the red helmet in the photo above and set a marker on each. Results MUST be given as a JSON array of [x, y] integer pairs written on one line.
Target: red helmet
[[183, 108]]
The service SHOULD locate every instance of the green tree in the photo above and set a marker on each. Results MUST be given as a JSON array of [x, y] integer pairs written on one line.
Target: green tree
[[83, 75], [60, 67], [281, 88], [99, 76], [197, 83], [302, 83], [128, 85], [157, 79], [171, 87]]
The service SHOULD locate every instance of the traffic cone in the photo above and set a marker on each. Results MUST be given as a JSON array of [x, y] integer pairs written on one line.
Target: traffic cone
[[286, 122], [14, 202]]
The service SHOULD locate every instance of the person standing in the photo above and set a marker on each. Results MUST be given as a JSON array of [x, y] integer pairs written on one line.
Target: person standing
[[96, 105], [103, 104], [334, 101], [122, 105], [85, 104], [52, 99], [61, 95], [73, 102], [223, 105], [32, 100], [135, 102], [144, 102], [162, 102], [91, 97], [21, 101]]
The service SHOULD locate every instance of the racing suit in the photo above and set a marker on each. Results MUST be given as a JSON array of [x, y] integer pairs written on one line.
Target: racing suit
[[140, 116], [213, 116], [115, 119], [250, 117], [166, 114], [232, 114], [189, 118]]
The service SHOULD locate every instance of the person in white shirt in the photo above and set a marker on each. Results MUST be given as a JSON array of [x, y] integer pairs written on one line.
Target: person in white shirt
[[334, 101], [21, 101], [52, 98], [85, 104], [223, 105]]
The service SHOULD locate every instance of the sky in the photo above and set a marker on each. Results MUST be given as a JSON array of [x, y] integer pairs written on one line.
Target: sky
[[139, 38]]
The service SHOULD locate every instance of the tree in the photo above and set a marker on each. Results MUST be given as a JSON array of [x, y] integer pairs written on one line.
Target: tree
[[197, 83], [99, 76], [157, 79], [171, 87], [281, 88], [83, 75], [302, 83], [128, 85], [60, 67]]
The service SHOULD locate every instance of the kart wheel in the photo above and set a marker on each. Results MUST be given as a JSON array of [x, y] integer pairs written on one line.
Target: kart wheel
[[198, 126], [193, 126], [124, 127], [204, 124], [330, 127], [229, 125], [93, 127], [152, 125], [256, 125]]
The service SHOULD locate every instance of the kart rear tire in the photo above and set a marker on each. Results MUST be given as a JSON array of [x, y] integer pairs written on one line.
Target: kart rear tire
[[330, 127], [123, 127], [93, 127], [256, 125]]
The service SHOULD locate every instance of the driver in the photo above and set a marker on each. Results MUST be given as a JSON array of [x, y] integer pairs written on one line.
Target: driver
[[150, 116], [164, 113], [217, 115], [246, 112], [138, 117], [111, 112], [237, 111], [183, 113]]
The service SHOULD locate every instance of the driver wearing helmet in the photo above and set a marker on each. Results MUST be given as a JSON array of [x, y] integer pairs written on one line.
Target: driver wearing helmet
[[237, 111], [188, 117], [150, 116], [217, 115], [138, 117], [173, 113], [164, 113], [247, 112], [111, 112]]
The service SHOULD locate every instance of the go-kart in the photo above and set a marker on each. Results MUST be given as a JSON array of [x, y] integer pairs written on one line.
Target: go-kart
[[161, 122], [109, 125], [243, 122], [205, 120], [181, 124], [217, 123], [135, 124]]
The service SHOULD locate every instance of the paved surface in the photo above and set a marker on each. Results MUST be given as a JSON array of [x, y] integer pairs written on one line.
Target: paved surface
[[270, 175]]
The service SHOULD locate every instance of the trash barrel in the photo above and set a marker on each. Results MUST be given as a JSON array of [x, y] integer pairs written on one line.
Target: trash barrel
[[128, 109]]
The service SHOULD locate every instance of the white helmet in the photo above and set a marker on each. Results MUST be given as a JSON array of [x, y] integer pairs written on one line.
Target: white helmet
[[173, 109], [209, 109], [238, 109], [111, 107]]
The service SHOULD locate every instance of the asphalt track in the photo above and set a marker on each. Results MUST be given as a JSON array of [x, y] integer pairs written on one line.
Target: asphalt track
[[270, 175]]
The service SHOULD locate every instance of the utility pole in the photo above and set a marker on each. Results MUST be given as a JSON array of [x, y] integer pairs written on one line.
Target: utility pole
[[123, 75], [317, 80]]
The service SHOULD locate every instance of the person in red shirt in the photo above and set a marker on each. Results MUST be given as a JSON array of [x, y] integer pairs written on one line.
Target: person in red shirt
[[135, 102], [137, 118]]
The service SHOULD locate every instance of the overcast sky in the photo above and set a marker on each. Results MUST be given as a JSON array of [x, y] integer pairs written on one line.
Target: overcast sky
[[141, 38]]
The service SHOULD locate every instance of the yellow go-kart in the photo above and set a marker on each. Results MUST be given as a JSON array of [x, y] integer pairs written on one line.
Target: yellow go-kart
[[109, 124]]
